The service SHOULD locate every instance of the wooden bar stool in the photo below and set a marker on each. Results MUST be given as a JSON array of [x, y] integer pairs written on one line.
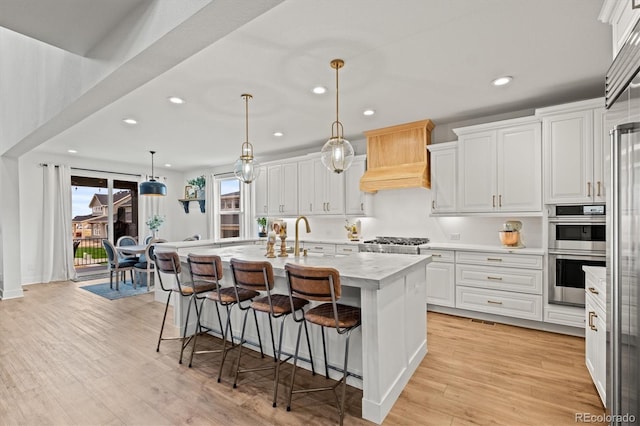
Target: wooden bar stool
[[169, 263], [258, 276], [323, 285], [208, 269]]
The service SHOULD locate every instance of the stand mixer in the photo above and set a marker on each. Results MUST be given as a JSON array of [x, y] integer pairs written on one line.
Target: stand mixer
[[510, 234]]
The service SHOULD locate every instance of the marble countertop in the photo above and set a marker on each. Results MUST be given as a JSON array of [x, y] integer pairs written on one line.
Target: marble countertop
[[362, 270], [484, 248]]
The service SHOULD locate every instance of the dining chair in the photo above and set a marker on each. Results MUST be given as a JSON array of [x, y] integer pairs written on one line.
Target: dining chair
[[117, 264], [146, 262], [321, 284], [127, 240]]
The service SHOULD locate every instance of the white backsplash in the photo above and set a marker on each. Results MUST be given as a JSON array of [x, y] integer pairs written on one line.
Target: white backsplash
[[405, 213]]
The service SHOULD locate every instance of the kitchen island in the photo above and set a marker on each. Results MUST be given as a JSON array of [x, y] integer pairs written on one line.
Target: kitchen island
[[392, 340]]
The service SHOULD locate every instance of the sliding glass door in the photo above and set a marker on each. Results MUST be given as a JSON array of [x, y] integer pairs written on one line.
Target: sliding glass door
[[101, 208]]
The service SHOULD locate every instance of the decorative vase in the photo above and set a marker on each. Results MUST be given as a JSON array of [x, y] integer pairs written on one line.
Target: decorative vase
[[200, 193]]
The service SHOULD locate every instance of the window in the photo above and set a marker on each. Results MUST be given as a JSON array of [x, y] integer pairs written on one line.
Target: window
[[230, 210]]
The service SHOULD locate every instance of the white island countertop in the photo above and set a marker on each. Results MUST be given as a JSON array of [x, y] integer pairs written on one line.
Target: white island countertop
[[372, 271]]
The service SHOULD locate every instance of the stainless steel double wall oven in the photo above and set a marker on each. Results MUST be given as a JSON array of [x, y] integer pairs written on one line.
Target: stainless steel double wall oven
[[576, 238]]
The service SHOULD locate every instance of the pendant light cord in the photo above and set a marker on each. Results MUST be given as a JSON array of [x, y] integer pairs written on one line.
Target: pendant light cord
[[152, 154]]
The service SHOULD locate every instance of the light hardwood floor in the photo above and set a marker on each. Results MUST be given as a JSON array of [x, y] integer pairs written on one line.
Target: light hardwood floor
[[68, 357]]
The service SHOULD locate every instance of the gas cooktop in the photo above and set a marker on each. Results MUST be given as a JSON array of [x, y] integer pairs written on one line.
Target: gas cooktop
[[398, 245], [401, 241]]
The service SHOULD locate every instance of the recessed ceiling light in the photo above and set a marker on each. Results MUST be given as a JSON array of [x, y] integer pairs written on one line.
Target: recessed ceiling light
[[278, 134], [501, 81], [368, 112], [72, 151], [167, 165], [176, 100], [319, 90], [130, 121]]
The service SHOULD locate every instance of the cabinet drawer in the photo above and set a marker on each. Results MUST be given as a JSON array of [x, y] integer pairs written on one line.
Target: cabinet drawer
[[440, 255], [346, 249], [510, 279], [595, 285], [320, 248], [518, 305], [529, 261]]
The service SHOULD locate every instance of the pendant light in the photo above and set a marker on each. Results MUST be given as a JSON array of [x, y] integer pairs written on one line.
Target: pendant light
[[337, 153], [152, 186], [246, 169]]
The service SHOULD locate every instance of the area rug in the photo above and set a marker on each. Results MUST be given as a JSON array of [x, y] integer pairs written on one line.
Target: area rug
[[126, 290]]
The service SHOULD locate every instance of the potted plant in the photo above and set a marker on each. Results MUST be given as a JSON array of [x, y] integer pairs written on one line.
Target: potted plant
[[198, 183], [262, 226]]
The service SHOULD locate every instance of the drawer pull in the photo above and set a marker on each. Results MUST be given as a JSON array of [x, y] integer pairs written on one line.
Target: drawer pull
[[347, 249], [494, 259], [593, 290], [436, 255], [494, 278], [493, 302]]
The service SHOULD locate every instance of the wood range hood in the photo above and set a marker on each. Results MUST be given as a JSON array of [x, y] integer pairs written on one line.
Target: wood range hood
[[397, 157]]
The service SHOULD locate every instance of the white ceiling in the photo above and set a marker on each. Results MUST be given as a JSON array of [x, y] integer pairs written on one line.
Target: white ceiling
[[408, 59]]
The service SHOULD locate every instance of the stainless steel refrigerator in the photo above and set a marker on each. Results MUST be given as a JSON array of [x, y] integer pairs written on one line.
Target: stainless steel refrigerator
[[623, 233]]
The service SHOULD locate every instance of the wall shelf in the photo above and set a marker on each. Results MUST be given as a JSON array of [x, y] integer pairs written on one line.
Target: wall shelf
[[185, 203]]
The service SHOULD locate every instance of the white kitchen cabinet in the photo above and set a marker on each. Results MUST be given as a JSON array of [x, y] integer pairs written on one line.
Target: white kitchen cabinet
[[499, 167], [444, 169], [573, 143], [282, 191], [321, 191], [507, 284], [356, 202], [622, 17], [260, 189], [441, 277], [596, 329]]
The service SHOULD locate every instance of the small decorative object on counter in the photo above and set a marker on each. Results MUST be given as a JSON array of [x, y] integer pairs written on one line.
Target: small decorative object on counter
[[262, 226], [510, 234], [353, 230], [283, 246], [271, 240]]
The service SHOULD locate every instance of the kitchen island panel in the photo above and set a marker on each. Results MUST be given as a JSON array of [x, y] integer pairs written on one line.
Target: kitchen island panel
[[385, 350]]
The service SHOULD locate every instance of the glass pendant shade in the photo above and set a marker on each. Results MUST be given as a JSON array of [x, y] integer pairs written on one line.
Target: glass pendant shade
[[337, 154], [153, 187], [246, 168]]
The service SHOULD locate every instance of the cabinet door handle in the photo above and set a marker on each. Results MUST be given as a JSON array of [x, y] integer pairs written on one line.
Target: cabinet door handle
[[500, 200], [310, 207], [591, 316], [588, 189], [598, 188], [493, 302], [494, 278], [493, 200], [328, 206], [593, 290], [361, 207], [494, 259]]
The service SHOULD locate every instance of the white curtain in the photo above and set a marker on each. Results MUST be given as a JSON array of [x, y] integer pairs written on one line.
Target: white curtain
[[57, 243], [147, 207], [210, 197]]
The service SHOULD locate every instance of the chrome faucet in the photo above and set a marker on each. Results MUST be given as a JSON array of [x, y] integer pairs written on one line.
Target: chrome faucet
[[296, 248]]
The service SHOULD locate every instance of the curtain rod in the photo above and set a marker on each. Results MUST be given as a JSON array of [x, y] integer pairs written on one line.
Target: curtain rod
[[95, 170]]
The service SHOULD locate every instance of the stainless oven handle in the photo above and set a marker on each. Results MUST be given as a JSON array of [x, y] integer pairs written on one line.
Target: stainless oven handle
[[582, 220], [574, 255]]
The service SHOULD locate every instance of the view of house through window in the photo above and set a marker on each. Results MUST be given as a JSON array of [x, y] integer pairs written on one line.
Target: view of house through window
[[230, 208], [90, 221]]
